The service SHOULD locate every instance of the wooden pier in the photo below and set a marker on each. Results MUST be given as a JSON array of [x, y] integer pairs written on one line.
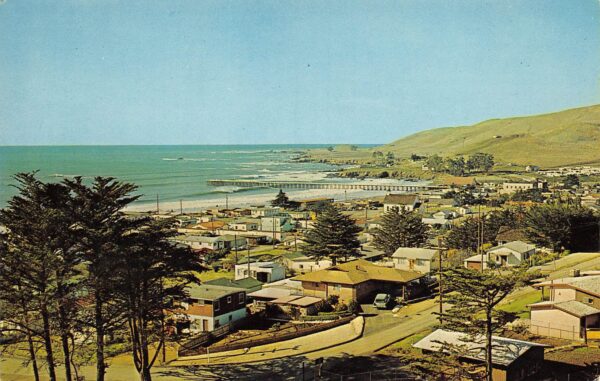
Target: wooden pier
[[321, 185]]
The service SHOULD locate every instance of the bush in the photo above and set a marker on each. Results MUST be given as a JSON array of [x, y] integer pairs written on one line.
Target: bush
[[333, 299], [353, 307]]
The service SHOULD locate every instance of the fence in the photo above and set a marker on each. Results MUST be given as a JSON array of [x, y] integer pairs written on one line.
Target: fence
[[191, 346], [388, 375], [553, 329], [267, 340]]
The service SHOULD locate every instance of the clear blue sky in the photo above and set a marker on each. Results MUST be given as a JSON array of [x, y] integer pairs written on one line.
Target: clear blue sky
[[297, 71]]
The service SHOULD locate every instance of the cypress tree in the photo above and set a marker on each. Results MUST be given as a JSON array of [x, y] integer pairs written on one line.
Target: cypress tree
[[334, 235], [399, 229]]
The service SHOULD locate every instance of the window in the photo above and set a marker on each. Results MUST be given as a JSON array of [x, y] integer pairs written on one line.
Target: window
[[316, 284], [229, 300], [242, 298], [301, 266], [217, 305], [337, 287], [401, 261], [420, 262], [230, 318], [589, 300]]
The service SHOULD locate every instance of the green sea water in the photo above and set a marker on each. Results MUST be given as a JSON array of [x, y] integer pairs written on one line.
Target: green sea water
[[172, 172]]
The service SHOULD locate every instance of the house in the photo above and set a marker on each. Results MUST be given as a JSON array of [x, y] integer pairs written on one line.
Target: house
[[275, 290], [512, 360], [445, 215], [300, 263], [305, 305], [247, 284], [209, 307], [511, 253], [359, 280], [512, 187], [257, 212], [244, 226], [314, 203], [407, 202], [200, 242], [414, 259], [572, 309], [464, 210], [438, 223], [265, 272], [475, 262], [281, 223]]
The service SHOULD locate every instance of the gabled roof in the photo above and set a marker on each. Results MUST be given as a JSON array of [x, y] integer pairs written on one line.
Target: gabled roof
[[572, 307], [504, 350], [246, 283], [209, 292], [588, 284], [358, 271], [518, 246], [404, 199], [414, 253]]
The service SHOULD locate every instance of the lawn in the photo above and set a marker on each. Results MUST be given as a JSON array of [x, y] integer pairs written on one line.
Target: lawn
[[517, 302], [406, 343], [211, 274]]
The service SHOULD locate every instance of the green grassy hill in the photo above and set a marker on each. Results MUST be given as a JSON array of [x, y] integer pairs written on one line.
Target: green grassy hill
[[567, 137]]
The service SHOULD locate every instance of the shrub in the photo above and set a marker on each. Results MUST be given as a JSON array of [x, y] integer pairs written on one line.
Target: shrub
[[353, 307], [333, 299]]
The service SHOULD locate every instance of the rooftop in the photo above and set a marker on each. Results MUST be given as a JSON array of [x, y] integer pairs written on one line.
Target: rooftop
[[572, 307], [246, 283], [359, 271], [590, 284], [404, 199], [504, 350], [414, 253], [209, 292], [518, 246]]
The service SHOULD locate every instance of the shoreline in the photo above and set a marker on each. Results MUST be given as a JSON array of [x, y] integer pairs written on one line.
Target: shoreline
[[236, 201]]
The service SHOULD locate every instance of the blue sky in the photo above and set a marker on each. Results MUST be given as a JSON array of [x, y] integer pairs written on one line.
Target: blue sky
[[219, 72]]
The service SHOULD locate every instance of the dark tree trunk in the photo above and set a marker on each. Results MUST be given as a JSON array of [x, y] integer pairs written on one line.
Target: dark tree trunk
[[48, 343], [64, 329], [99, 323], [36, 374], [488, 346]]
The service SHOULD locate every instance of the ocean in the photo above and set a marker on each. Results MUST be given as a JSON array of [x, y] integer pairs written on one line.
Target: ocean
[[172, 172]]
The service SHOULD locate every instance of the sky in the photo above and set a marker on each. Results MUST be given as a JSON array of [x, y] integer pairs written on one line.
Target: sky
[[297, 71]]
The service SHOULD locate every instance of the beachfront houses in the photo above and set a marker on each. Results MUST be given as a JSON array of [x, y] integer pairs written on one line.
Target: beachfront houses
[[200, 242], [209, 307], [244, 226], [265, 272], [407, 202], [572, 310], [279, 223], [359, 280], [414, 259]]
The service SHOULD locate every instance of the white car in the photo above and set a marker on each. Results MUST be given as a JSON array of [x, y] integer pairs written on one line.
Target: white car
[[382, 301]]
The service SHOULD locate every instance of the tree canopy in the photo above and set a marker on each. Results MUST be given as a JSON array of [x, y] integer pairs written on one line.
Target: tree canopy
[[399, 229], [334, 236]]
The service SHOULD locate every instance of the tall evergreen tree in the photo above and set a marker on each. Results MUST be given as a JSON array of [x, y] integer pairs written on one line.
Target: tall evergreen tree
[[399, 229], [100, 230], [334, 236], [281, 199], [477, 295], [152, 271]]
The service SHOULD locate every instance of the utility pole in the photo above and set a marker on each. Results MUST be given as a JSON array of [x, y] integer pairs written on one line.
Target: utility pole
[[180, 206], [273, 232], [248, 258], [296, 242], [440, 275], [157, 208], [479, 237], [366, 214], [226, 201], [236, 247]]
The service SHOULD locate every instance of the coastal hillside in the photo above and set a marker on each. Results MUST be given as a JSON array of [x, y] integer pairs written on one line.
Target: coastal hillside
[[567, 137]]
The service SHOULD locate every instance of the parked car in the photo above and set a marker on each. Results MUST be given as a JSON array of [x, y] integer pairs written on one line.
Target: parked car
[[382, 301]]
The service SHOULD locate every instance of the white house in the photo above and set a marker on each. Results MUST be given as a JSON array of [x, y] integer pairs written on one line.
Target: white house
[[265, 272], [301, 264], [199, 242], [277, 224], [244, 226], [511, 253], [414, 259], [407, 202], [263, 212]]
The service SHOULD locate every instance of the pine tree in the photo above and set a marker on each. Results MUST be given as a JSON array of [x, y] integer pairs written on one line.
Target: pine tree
[[281, 199], [477, 295], [399, 229], [101, 228], [151, 272], [334, 235]]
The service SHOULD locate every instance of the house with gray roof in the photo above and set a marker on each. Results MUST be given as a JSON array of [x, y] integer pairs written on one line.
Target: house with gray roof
[[407, 202], [512, 360], [414, 259], [511, 253], [572, 309]]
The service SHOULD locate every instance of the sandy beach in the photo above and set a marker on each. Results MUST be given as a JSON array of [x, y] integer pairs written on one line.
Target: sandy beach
[[241, 200]]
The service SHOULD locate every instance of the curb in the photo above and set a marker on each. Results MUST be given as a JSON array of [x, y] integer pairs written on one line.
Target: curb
[[280, 357]]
